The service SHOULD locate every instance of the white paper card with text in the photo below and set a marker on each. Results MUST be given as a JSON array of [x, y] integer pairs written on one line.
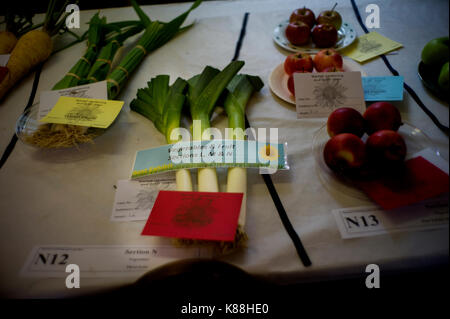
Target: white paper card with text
[[104, 261], [371, 220], [319, 94], [48, 99], [135, 198]]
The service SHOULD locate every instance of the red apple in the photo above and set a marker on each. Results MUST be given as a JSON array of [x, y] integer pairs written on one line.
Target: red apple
[[298, 32], [330, 17], [333, 69], [345, 153], [345, 120], [327, 58], [386, 147], [382, 116], [290, 84], [298, 62], [305, 15], [324, 35]]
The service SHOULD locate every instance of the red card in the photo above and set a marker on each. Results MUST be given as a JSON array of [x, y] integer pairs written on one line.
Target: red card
[[195, 215], [3, 72], [420, 180]]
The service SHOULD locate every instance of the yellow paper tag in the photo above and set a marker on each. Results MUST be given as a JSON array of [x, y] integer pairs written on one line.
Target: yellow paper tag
[[369, 46], [84, 112]]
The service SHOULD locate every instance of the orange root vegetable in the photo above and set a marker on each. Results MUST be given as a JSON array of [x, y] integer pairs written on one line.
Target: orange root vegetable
[[31, 49], [7, 42]]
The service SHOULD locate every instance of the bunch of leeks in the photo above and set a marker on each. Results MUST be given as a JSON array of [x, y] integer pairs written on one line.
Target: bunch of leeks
[[162, 104]]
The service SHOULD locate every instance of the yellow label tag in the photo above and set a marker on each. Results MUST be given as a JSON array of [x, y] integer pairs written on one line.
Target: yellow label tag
[[84, 112], [370, 45]]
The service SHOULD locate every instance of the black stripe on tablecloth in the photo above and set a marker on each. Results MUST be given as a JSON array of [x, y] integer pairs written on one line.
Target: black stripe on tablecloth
[[411, 92], [268, 180], [13, 141]]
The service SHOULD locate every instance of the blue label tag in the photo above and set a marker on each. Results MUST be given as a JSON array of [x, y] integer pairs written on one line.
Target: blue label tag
[[214, 153], [383, 88]]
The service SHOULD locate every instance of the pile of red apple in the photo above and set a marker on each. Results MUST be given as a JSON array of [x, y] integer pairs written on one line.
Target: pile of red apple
[[326, 60], [348, 154], [323, 31]]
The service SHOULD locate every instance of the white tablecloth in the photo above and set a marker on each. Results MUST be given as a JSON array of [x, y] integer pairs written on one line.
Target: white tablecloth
[[67, 199]]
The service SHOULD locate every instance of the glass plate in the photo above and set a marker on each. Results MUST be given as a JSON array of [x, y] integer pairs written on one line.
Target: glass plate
[[28, 123], [278, 79], [346, 36], [415, 140]]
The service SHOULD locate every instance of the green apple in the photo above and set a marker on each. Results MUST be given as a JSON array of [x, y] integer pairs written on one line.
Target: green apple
[[443, 77], [436, 52]]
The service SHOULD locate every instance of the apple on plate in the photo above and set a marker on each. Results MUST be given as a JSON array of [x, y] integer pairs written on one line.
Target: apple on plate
[[298, 62], [330, 17], [333, 69], [298, 33], [327, 58], [386, 148], [305, 15], [345, 153], [436, 52], [382, 116], [345, 120], [324, 36]]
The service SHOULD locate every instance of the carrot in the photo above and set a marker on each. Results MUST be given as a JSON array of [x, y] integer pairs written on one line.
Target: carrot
[[7, 42], [34, 47]]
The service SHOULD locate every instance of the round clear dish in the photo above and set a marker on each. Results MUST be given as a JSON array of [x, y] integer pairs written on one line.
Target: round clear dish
[[415, 140], [28, 125]]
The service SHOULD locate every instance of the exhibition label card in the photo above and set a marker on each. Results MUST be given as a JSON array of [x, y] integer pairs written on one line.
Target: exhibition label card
[[216, 153], [372, 220], [383, 88], [370, 45], [135, 198], [84, 112], [48, 99], [319, 94], [99, 261], [195, 215], [417, 181]]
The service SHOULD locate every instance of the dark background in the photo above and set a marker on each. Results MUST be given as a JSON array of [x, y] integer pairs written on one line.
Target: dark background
[[40, 6]]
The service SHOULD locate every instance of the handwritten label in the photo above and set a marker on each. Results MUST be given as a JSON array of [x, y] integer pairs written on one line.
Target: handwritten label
[[319, 94], [48, 99], [214, 153], [84, 112], [104, 261], [383, 88], [135, 198]]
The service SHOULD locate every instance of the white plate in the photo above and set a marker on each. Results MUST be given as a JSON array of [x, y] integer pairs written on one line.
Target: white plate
[[416, 140], [278, 79], [346, 36]]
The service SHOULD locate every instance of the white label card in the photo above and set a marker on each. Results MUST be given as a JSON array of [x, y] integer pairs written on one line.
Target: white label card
[[104, 261], [319, 94], [135, 198], [48, 99], [371, 220]]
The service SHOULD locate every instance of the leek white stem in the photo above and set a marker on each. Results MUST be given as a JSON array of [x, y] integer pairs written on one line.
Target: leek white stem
[[183, 179]]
